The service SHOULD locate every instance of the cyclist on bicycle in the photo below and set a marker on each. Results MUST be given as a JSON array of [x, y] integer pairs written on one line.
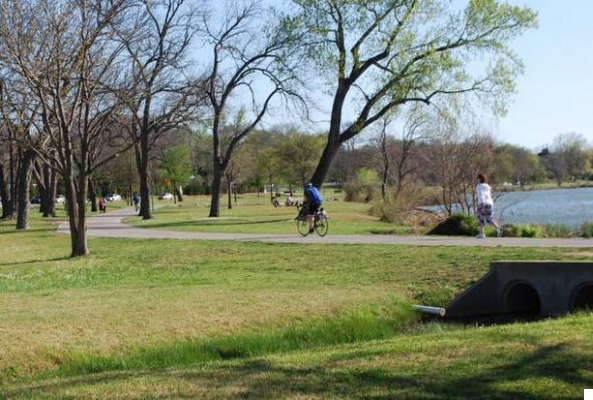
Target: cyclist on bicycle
[[313, 200]]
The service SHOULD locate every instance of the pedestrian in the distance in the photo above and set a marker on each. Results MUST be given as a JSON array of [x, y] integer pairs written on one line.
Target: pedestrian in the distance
[[136, 200], [102, 205], [485, 206]]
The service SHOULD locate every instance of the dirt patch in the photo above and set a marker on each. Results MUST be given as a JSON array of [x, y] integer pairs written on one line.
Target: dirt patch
[[419, 219]]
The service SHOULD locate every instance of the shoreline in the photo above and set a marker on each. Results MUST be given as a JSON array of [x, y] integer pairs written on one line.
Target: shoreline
[[499, 188]]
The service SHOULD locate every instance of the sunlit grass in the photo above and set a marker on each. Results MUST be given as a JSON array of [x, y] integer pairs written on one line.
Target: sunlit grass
[[253, 214]]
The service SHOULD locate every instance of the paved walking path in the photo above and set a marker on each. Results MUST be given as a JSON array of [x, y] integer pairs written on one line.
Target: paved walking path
[[111, 225]]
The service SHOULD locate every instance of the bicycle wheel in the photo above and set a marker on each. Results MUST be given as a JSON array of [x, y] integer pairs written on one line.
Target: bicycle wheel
[[322, 226], [303, 226]]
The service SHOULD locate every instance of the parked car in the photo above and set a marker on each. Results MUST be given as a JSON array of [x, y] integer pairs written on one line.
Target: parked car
[[113, 197], [60, 199], [36, 200], [166, 196]]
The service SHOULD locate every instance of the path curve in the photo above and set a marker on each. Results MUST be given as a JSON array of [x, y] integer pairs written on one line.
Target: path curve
[[111, 225]]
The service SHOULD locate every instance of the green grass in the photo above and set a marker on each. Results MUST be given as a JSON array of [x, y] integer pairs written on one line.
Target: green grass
[[363, 324], [254, 214], [166, 318], [545, 360]]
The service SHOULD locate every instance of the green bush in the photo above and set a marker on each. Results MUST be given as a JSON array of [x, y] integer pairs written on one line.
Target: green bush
[[538, 231], [529, 231], [390, 209], [457, 225], [364, 188], [587, 230]]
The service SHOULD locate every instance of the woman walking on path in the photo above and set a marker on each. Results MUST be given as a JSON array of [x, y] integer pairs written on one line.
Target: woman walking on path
[[485, 206]]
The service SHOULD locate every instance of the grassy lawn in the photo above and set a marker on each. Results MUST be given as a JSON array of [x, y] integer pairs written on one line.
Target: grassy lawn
[[545, 360], [254, 214], [159, 318]]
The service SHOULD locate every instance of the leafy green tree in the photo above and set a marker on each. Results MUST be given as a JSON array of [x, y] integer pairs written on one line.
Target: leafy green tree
[[382, 54], [566, 158], [517, 165], [297, 154], [177, 167]]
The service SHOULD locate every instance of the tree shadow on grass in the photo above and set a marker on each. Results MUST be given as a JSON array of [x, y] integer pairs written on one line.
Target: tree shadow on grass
[[46, 260], [13, 230], [260, 378]]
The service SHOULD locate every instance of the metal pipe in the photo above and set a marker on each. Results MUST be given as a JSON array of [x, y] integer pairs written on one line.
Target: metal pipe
[[430, 310]]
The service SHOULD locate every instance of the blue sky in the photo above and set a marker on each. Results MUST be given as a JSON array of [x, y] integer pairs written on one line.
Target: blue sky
[[554, 94]]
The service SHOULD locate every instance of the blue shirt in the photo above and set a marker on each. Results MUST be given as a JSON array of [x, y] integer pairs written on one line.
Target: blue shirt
[[312, 194]]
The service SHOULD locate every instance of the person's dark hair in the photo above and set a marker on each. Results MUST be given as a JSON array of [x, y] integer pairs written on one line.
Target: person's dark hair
[[482, 178]]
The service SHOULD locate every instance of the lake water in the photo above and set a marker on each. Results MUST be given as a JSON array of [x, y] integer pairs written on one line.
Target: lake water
[[569, 207]]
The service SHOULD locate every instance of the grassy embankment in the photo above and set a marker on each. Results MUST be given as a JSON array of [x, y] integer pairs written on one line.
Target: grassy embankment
[[142, 318]]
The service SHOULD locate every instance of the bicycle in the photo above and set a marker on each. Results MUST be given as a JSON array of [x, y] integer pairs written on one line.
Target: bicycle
[[320, 221]]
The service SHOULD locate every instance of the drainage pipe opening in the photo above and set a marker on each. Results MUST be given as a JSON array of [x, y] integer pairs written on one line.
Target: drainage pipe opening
[[522, 298], [582, 298]]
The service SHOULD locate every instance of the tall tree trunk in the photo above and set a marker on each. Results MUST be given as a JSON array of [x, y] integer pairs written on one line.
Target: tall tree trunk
[[145, 211], [216, 191], [179, 193], [230, 193], [5, 198], [76, 216], [329, 153], [93, 195], [44, 176], [24, 190], [41, 178], [143, 172], [13, 160], [385, 174], [52, 191], [333, 140], [174, 187]]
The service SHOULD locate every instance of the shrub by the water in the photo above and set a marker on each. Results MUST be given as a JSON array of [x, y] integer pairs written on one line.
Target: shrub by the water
[[457, 225], [587, 230], [539, 231], [524, 231]]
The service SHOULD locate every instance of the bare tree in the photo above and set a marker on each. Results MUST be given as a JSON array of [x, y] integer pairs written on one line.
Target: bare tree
[[19, 109], [246, 49], [382, 142], [154, 85], [63, 54], [455, 157]]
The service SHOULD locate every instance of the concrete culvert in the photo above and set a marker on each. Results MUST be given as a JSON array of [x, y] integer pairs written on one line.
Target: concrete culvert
[[582, 298], [522, 298]]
